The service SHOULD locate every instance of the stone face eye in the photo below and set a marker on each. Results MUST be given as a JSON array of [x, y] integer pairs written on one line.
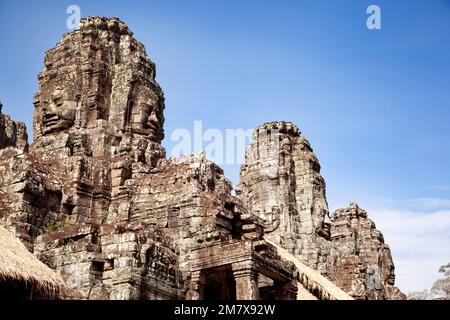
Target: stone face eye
[[58, 101]]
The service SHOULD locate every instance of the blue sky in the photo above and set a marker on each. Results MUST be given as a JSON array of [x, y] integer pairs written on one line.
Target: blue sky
[[375, 104]]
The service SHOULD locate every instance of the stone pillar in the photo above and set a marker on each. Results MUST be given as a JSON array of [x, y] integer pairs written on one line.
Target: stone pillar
[[246, 278], [286, 291], [196, 286]]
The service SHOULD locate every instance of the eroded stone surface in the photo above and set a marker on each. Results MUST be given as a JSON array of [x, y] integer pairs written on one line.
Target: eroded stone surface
[[12, 134], [280, 182], [96, 199], [364, 266], [98, 202], [13, 157]]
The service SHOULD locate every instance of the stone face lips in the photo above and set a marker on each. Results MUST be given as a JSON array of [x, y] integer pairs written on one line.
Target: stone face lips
[[96, 199]]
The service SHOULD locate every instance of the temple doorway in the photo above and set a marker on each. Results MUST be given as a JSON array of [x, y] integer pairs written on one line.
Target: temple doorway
[[220, 284]]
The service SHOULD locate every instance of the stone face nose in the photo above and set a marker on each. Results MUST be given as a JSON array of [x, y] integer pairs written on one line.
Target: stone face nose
[[49, 110], [327, 219], [46, 107], [153, 119]]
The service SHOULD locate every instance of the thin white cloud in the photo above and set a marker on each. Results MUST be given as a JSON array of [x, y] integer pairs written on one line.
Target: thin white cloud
[[419, 241], [427, 204]]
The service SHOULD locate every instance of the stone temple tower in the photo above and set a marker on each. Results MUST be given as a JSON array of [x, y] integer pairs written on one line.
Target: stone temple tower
[[281, 183], [98, 113], [95, 198]]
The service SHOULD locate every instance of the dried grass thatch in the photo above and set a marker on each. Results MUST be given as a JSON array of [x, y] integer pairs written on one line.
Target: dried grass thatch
[[319, 286], [19, 265]]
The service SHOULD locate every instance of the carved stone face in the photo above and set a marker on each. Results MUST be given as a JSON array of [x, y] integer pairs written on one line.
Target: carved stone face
[[58, 114], [149, 120], [388, 268], [320, 215], [390, 279], [322, 224]]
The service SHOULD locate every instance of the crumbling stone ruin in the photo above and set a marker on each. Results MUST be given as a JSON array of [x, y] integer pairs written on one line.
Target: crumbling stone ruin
[[364, 266], [95, 198], [280, 183]]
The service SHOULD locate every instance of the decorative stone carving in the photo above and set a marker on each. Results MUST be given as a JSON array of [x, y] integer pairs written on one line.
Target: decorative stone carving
[[95, 198], [364, 266], [58, 112], [281, 171]]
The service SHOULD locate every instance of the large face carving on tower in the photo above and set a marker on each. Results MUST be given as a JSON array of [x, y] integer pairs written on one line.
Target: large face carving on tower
[[322, 224], [58, 112], [387, 266], [99, 77], [148, 119], [151, 119]]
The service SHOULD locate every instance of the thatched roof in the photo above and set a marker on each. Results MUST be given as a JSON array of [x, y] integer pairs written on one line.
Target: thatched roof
[[311, 280], [18, 264]]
